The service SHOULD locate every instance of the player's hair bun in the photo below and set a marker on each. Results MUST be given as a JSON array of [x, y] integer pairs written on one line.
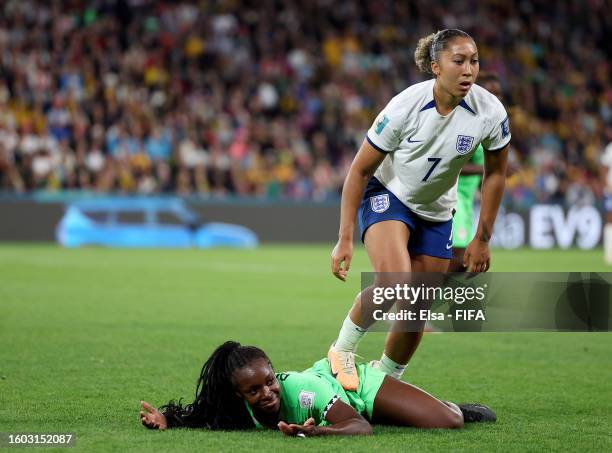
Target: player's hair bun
[[422, 56]]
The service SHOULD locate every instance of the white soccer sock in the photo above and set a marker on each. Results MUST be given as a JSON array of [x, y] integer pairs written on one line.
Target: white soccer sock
[[350, 335], [391, 367]]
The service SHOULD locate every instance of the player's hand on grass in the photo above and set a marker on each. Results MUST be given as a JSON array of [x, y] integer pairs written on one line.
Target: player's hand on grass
[[152, 418], [293, 430], [477, 257], [342, 253]]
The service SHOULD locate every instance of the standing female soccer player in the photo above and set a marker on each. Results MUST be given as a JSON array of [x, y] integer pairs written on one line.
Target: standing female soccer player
[[238, 389], [408, 167]]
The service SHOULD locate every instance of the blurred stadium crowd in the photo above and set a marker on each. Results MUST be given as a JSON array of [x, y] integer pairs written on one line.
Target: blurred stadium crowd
[[273, 98]]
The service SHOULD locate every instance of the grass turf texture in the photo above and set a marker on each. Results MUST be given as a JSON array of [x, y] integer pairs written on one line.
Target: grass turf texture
[[85, 334]]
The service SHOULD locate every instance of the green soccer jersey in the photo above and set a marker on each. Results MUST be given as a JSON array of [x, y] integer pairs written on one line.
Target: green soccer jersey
[[312, 393], [468, 184], [304, 395]]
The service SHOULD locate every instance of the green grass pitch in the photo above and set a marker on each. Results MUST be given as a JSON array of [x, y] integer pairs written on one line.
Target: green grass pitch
[[85, 334]]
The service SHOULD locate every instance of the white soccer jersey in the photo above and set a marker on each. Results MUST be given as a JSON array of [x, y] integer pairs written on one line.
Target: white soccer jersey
[[426, 150]]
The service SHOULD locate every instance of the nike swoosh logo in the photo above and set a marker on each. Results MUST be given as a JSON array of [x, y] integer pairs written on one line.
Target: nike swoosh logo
[[409, 140], [449, 246]]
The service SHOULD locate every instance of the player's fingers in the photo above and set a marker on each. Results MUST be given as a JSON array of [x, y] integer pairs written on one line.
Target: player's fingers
[[310, 421], [147, 406], [285, 428], [337, 271], [335, 264], [347, 262], [296, 428], [485, 265], [146, 422]]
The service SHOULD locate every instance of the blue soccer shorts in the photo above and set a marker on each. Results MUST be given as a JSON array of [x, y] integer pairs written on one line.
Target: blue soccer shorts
[[426, 238]]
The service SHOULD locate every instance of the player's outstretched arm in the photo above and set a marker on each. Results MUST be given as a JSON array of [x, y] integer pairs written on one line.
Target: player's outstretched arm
[[152, 418], [362, 169], [344, 421], [477, 256]]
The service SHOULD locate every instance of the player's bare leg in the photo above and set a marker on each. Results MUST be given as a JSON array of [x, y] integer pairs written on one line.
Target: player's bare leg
[[400, 345], [402, 404], [387, 246]]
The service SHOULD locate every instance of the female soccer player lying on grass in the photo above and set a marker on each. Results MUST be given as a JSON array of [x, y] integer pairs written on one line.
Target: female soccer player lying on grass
[[238, 389]]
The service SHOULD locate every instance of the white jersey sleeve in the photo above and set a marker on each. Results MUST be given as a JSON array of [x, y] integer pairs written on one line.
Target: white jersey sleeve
[[498, 135], [385, 133]]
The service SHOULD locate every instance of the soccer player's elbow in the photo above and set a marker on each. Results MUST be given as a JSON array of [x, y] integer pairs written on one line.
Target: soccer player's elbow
[[361, 427], [366, 429]]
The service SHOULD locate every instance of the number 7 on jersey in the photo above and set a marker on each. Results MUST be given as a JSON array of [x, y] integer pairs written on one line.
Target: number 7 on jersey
[[436, 161]]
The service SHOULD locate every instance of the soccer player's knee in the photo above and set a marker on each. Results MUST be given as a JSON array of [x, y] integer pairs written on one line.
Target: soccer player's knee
[[392, 279], [390, 266]]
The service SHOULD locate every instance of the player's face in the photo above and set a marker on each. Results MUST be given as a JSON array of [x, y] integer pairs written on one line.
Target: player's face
[[457, 68], [257, 384]]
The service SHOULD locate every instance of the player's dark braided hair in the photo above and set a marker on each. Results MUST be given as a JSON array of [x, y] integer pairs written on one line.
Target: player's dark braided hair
[[216, 404], [429, 47]]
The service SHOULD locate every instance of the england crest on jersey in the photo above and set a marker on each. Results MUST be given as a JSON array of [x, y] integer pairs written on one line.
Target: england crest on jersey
[[380, 203], [464, 143]]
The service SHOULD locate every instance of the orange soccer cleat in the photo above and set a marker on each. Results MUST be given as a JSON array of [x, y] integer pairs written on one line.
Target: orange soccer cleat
[[342, 364]]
